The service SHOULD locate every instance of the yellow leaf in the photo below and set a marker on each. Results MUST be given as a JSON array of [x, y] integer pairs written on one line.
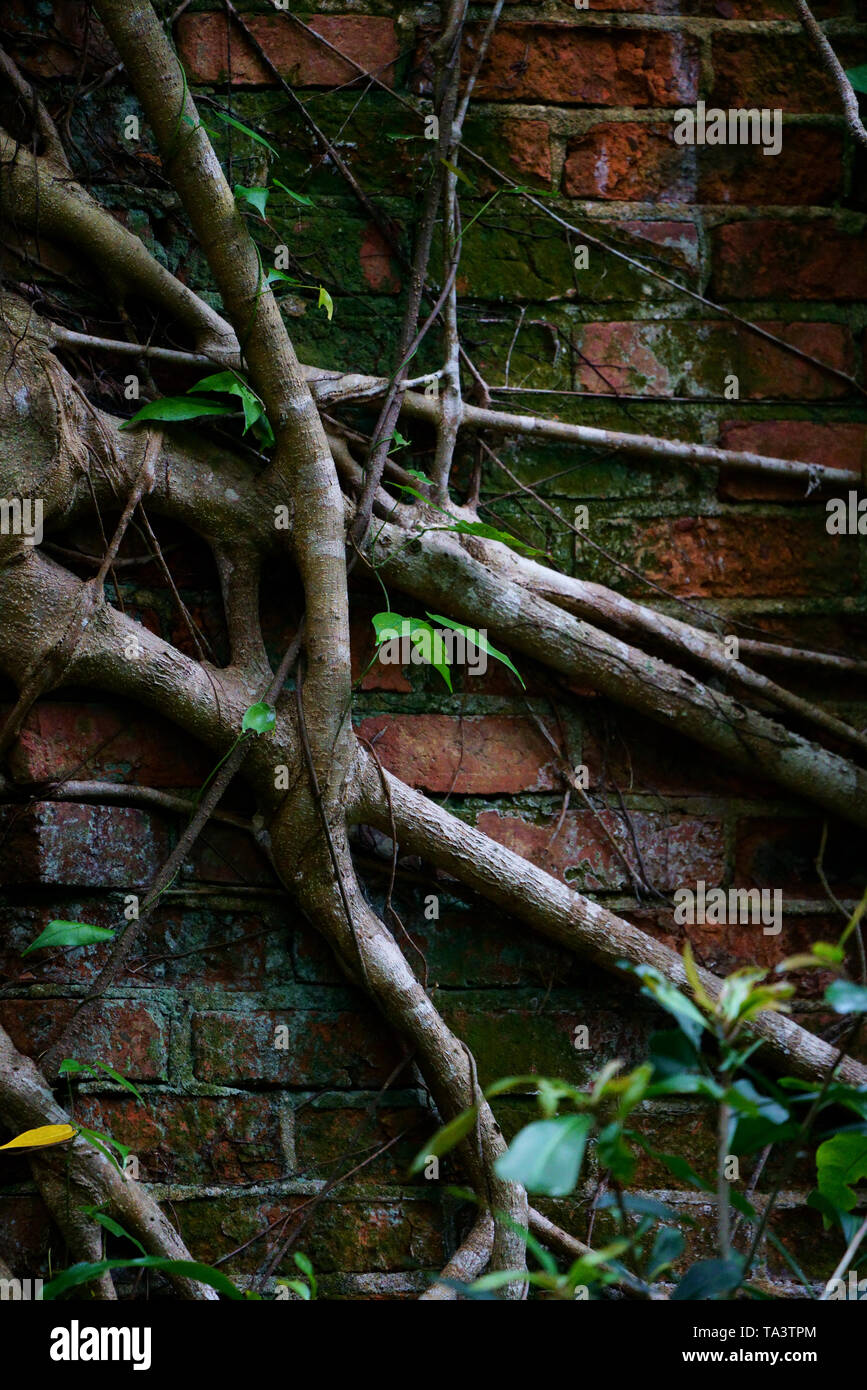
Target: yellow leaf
[[42, 1138]]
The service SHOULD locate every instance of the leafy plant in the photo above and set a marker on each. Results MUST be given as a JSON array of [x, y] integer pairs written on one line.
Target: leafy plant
[[707, 1056]]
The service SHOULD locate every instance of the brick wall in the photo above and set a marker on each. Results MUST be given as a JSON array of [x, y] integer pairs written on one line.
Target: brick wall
[[237, 1131]]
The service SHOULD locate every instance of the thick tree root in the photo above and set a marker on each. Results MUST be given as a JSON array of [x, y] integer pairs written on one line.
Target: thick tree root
[[82, 1176]]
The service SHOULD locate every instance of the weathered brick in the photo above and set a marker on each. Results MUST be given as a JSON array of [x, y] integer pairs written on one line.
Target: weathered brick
[[673, 848], [475, 755], [328, 1138], [694, 359], [625, 750], [55, 49], [184, 1139], [367, 40], [27, 1234], [776, 70], [343, 1235], [131, 1037], [325, 1048], [570, 64], [82, 845], [103, 743], [839, 445], [635, 161], [782, 853], [540, 1041], [638, 161], [808, 170], [766, 259], [755, 556]]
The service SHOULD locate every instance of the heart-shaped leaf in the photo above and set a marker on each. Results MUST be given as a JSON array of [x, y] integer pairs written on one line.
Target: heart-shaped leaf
[[259, 719]]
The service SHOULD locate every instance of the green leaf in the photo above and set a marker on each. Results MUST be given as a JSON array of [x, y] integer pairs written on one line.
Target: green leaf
[[245, 130], [826, 950], [479, 640], [672, 1054], [614, 1153], [422, 477], [445, 1138], [459, 174], [840, 1162], [672, 1000], [389, 627], [104, 1143], [830, 1214], [325, 302], [546, 1156], [846, 997], [69, 1067], [490, 533], [709, 1279], [260, 718], [59, 933], [641, 1206], [305, 1265], [227, 383], [176, 408], [668, 1247], [858, 77], [297, 1286], [108, 1222], [84, 1273], [298, 197], [681, 1170], [275, 276], [256, 197]]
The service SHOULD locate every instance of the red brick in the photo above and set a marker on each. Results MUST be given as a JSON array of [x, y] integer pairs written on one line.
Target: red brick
[[223, 854], [808, 170], [678, 358], [674, 848], [638, 161], [324, 1137], [174, 1138], [776, 70], [59, 51], [678, 241], [763, 9], [578, 65], [633, 161], [377, 264], [130, 1037], [782, 854], [369, 41], [740, 556], [527, 145], [839, 445], [796, 260], [723, 948], [625, 750], [366, 1235], [105, 743], [477, 755], [61, 842], [326, 1048]]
